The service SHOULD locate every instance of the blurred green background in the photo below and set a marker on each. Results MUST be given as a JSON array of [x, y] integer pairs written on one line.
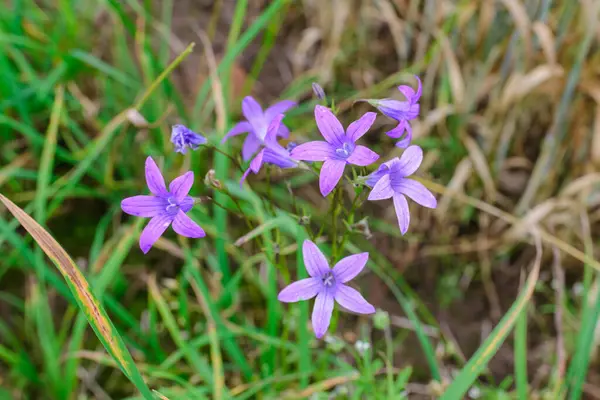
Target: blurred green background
[[492, 295]]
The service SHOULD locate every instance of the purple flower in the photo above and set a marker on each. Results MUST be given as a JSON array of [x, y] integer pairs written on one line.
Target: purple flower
[[390, 180], [256, 124], [328, 285], [272, 152], [401, 111], [183, 137], [165, 207], [339, 148]]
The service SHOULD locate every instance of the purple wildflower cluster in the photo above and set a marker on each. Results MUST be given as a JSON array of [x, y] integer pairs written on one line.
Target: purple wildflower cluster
[[338, 149]]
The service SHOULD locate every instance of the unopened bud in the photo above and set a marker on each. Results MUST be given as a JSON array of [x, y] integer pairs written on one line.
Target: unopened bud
[[362, 226], [211, 180], [304, 220], [318, 91], [381, 319]]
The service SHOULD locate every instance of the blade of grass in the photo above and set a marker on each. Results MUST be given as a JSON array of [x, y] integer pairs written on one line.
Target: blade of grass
[[521, 355], [475, 366], [87, 301]]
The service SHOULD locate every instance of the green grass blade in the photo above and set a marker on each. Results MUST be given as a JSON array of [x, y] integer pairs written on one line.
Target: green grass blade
[[469, 373], [87, 301]]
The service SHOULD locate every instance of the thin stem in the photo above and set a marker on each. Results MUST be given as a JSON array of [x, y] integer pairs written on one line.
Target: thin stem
[[237, 164]]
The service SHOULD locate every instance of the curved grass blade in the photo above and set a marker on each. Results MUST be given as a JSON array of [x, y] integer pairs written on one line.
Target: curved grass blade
[[484, 354], [87, 301]]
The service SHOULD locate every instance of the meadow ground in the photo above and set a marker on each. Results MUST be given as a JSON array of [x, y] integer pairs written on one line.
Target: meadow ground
[[492, 295]]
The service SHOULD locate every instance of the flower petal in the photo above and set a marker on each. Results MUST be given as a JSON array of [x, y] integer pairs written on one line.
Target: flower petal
[[384, 169], [238, 129], [279, 108], [315, 262], [283, 131], [185, 226], [331, 172], [362, 156], [303, 289], [410, 161], [273, 129], [154, 179], [348, 267], [155, 228], [329, 126], [252, 110], [410, 93], [251, 146], [143, 206], [352, 300], [313, 151], [321, 315], [382, 189], [255, 166], [277, 155], [180, 186], [402, 212], [396, 109], [359, 127], [417, 192]]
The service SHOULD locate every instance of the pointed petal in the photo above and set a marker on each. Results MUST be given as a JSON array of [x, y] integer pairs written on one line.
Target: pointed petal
[[283, 131], [359, 127], [410, 93], [410, 161], [154, 179], [155, 228], [347, 268], [352, 300], [313, 151], [331, 172], [417, 192], [279, 108], [144, 206], [321, 315], [185, 226], [251, 146], [252, 110], [303, 289], [362, 156], [180, 186], [238, 129], [273, 129], [329, 126], [315, 262], [402, 212], [382, 189], [257, 162]]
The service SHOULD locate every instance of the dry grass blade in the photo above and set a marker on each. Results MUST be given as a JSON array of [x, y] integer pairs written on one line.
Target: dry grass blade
[[546, 39], [82, 292], [519, 86], [519, 14]]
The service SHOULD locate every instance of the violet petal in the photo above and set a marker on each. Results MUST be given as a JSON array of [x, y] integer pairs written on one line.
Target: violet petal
[[348, 267], [352, 300], [185, 226], [303, 289]]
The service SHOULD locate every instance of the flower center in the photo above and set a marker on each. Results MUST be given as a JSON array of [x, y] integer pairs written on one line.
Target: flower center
[[173, 206], [328, 279], [345, 151]]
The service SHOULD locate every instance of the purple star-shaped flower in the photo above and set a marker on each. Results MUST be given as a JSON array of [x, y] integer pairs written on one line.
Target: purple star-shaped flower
[[272, 152], [183, 137], [327, 285], [401, 111], [390, 180], [165, 207], [256, 124], [339, 149]]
